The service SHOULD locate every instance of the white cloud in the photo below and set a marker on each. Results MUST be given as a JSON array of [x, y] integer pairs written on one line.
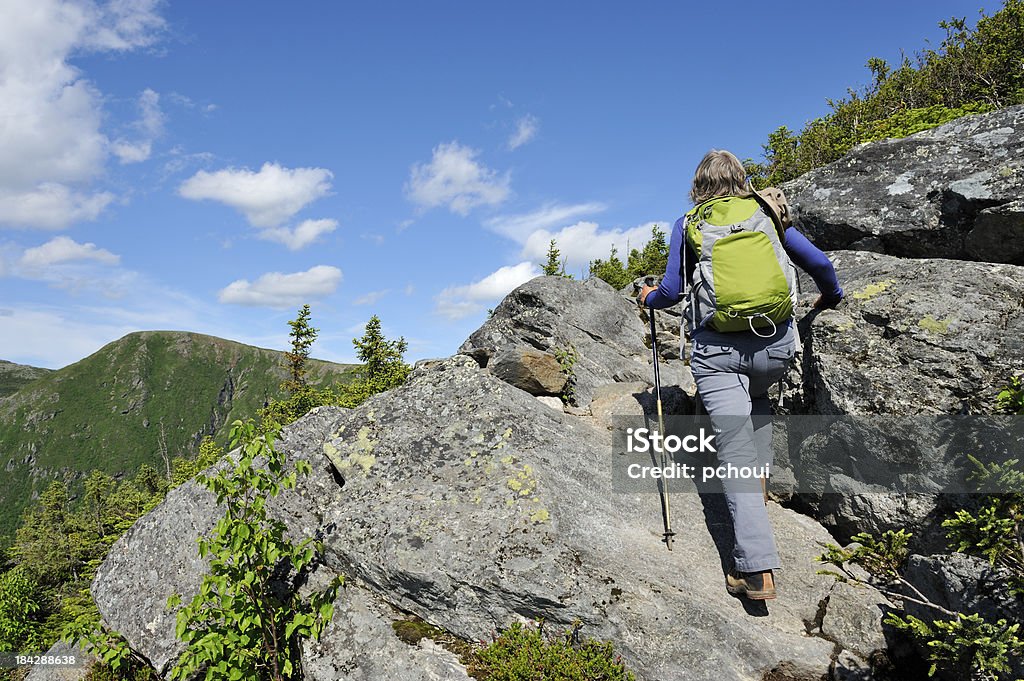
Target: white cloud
[[371, 297], [526, 130], [122, 25], [132, 152], [149, 126], [454, 178], [520, 227], [456, 302], [278, 290], [63, 249], [51, 137], [50, 206], [268, 197], [584, 241], [300, 236]]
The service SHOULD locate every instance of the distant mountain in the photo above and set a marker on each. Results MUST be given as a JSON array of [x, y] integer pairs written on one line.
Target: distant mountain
[[14, 376], [115, 408]]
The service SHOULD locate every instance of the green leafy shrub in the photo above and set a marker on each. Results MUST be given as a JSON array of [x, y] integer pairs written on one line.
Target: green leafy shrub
[[567, 359], [995, 531], [116, 660], [18, 609], [966, 646], [237, 627], [528, 654], [1011, 398], [883, 558], [910, 121]]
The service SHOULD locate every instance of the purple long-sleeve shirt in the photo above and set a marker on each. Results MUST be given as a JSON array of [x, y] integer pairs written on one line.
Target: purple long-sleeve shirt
[[802, 252]]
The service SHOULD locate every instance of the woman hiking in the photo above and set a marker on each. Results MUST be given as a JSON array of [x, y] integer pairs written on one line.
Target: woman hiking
[[734, 256]]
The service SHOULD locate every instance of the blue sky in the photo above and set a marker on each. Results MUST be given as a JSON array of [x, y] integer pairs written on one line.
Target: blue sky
[[211, 166]]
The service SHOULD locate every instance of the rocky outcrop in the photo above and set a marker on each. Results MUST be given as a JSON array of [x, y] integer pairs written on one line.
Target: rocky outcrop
[[950, 192], [465, 501], [915, 337], [557, 315], [912, 341]]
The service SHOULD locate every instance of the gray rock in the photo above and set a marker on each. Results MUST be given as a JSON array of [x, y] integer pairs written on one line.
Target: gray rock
[[851, 667], [998, 230], [553, 402], [618, 399], [666, 322], [913, 337], [359, 644], [462, 500], [853, 618], [555, 313], [536, 372], [962, 583], [503, 510], [923, 196]]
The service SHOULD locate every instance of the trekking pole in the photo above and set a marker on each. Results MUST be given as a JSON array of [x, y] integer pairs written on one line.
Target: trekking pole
[[663, 482]]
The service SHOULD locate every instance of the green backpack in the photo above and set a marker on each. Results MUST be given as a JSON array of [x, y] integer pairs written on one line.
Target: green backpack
[[740, 282]]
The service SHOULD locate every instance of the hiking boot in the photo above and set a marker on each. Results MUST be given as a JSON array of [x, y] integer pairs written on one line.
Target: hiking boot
[[757, 586]]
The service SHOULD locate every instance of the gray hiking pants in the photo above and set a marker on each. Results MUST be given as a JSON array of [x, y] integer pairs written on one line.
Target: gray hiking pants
[[733, 372]]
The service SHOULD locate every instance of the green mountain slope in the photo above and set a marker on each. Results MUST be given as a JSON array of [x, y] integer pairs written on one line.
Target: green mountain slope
[[14, 376], [135, 399]]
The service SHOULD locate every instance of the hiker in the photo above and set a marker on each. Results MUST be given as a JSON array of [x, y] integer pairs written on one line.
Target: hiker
[[743, 346]]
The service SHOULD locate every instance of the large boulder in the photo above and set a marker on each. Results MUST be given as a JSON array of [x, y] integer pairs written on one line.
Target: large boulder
[[556, 315], [950, 192], [914, 344], [915, 337], [465, 501]]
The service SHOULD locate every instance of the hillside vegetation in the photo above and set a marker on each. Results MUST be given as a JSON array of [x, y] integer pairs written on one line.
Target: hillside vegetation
[[972, 71], [140, 400], [13, 377]]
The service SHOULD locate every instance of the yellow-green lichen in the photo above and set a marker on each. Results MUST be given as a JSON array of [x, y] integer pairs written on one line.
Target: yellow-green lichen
[[363, 442], [332, 453], [541, 515], [364, 461], [361, 458], [933, 325], [872, 290]]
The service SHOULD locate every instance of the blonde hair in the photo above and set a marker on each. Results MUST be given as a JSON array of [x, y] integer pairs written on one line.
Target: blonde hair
[[719, 173]]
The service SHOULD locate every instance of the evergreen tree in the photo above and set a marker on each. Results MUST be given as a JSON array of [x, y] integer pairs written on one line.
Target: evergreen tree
[[611, 270], [555, 265], [302, 335], [384, 367]]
